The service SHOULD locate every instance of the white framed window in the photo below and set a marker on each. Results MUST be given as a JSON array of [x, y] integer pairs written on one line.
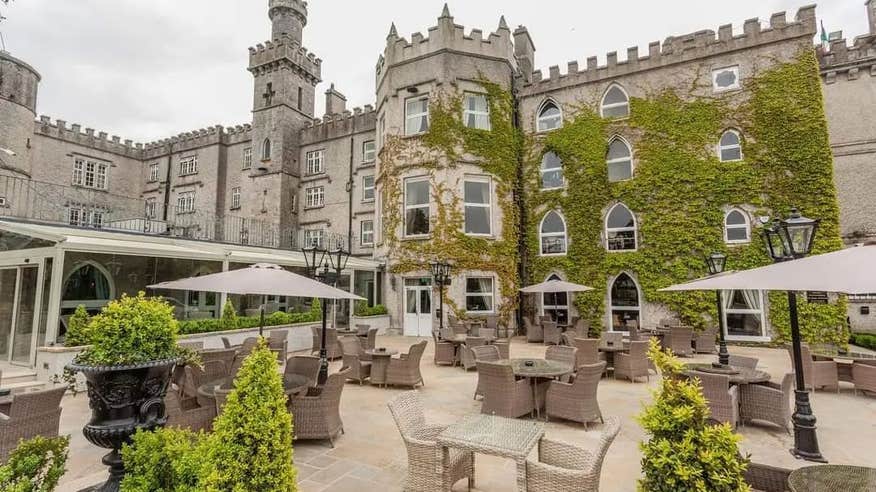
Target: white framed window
[[369, 151], [185, 202], [314, 237], [82, 215], [417, 207], [315, 160], [314, 197], [368, 188], [247, 158], [266, 149], [615, 103], [730, 146], [620, 229], [293, 204], [743, 314], [549, 117], [737, 228], [619, 160], [151, 208], [555, 304], [366, 233], [551, 172], [552, 234], [478, 206], [417, 115], [153, 171], [725, 79], [188, 165], [479, 296], [235, 197], [624, 302], [476, 111], [90, 174]]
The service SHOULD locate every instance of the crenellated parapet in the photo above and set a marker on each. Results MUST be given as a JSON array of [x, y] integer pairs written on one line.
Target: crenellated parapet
[[74, 133], [339, 125], [285, 52], [849, 60], [238, 133], [203, 137], [679, 49]]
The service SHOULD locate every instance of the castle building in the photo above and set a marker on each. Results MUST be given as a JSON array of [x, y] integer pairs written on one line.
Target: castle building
[[468, 154]]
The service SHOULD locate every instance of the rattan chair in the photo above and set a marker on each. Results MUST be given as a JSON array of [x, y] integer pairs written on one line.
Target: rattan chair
[[405, 370], [303, 365], [723, 399], [369, 342], [534, 332], [563, 354], [31, 414], [563, 467], [226, 356], [249, 344], [318, 417], [353, 352], [582, 328], [551, 332], [743, 361], [189, 415], [484, 353], [817, 374], [576, 400], [864, 377], [332, 349], [466, 357], [504, 346], [766, 478], [503, 394], [679, 340], [195, 377], [633, 330], [704, 341], [362, 330], [445, 352], [278, 341], [588, 351], [769, 402], [426, 467], [634, 364]]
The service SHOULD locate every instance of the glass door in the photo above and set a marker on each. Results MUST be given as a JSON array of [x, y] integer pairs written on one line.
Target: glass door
[[418, 307], [8, 277], [22, 336]]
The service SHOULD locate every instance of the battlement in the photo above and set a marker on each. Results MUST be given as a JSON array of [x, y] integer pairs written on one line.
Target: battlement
[[678, 49], [447, 35], [89, 138], [298, 6], [847, 58], [238, 133], [337, 125], [285, 50], [212, 135]]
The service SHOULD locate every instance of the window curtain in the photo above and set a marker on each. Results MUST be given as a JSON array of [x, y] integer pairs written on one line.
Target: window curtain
[[101, 284], [752, 298]]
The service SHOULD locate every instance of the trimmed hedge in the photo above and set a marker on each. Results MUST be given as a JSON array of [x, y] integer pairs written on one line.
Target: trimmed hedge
[[278, 318], [865, 340], [363, 310]]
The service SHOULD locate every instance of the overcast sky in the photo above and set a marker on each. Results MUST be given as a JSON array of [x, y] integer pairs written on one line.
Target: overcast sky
[[151, 69]]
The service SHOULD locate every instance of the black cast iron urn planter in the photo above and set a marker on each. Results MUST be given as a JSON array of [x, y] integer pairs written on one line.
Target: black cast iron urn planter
[[123, 399]]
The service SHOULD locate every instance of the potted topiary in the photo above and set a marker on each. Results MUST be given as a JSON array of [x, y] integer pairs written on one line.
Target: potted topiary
[[127, 369]]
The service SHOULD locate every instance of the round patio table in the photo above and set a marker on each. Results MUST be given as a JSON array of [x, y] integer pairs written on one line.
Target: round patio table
[[536, 369], [379, 362], [610, 350], [293, 384], [738, 375], [833, 478]]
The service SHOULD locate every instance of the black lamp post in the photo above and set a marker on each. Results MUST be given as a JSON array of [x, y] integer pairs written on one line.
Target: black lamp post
[[716, 263], [441, 274], [314, 258], [788, 240]]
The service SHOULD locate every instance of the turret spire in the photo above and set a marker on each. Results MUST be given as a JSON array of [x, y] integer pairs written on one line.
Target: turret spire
[[445, 13], [393, 33], [503, 24]]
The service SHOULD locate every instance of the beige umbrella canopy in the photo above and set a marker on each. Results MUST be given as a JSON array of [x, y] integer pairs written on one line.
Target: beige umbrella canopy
[[847, 271], [555, 286]]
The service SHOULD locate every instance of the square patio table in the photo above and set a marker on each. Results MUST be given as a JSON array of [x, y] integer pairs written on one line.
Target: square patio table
[[497, 436]]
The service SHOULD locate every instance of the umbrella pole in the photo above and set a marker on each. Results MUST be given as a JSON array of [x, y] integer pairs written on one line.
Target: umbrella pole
[[723, 354], [323, 354], [805, 438], [262, 320]]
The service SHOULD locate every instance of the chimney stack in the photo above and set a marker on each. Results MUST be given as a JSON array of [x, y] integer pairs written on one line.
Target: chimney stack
[[335, 102]]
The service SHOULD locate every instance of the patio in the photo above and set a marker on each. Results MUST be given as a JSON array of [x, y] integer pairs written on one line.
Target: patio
[[371, 454]]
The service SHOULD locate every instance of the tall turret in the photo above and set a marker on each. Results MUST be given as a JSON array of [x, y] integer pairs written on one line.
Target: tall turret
[[288, 17], [18, 96]]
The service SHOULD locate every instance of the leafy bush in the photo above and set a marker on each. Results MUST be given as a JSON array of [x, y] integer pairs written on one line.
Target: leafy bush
[[229, 316], [316, 309], [251, 444], [684, 453], [363, 310], [35, 465], [167, 459], [77, 328], [194, 326], [865, 340], [132, 330]]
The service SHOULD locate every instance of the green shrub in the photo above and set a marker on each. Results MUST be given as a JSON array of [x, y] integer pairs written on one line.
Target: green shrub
[[363, 310], [316, 309], [167, 459], [132, 330], [35, 465], [684, 453], [277, 318], [229, 316], [251, 444], [194, 326], [865, 340], [77, 328]]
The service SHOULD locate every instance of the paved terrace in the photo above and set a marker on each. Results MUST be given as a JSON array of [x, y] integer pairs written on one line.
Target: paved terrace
[[371, 454]]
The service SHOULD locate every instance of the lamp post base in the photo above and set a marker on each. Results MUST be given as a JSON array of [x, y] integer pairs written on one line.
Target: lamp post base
[[805, 437], [723, 354]]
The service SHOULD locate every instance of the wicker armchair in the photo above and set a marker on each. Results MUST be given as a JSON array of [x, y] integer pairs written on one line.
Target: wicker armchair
[[247, 346], [466, 357], [445, 352], [576, 400], [370, 341], [426, 471], [31, 414], [633, 330], [534, 332], [766, 478], [504, 395], [405, 370], [769, 402], [484, 353], [582, 328], [742, 361], [563, 354], [279, 343], [704, 341], [303, 365], [723, 399], [551, 332], [189, 415], [504, 346], [563, 467], [353, 351], [319, 416], [226, 356], [679, 340], [362, 329], [817, 374], [864, 377], [332, 349], [634, 364], [211, 370], [588, 351]]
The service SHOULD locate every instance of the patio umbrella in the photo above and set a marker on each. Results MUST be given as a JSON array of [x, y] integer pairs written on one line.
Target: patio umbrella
[[554, 286]]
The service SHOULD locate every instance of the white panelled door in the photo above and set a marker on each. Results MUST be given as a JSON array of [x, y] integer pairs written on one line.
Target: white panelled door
[[418, 307]]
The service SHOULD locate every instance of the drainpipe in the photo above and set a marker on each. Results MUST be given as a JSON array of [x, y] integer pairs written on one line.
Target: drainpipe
[[350, 196], [167, 182]]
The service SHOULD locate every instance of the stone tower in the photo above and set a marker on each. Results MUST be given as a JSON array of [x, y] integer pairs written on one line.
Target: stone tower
[[18, 96], [285, 76]]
